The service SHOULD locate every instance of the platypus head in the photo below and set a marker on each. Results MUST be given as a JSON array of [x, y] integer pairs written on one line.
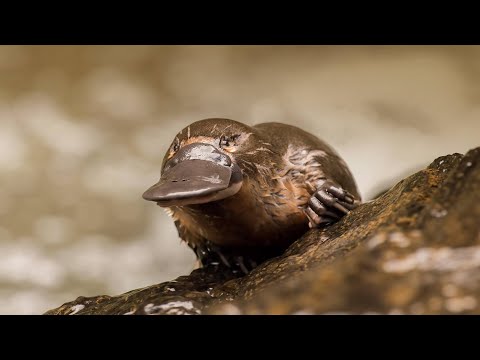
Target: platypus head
[[200, 165]]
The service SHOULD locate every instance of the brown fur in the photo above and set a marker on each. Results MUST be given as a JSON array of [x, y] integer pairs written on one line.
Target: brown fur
[[278, 163]]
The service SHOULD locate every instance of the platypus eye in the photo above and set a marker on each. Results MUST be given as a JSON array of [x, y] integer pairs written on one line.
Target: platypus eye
[[174, 148], [227, 141], [176, 145]]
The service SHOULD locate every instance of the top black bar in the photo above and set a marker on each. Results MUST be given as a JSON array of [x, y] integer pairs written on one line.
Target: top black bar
[[311, 27]]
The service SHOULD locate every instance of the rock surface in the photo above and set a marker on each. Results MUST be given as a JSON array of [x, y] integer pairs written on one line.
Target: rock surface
[[413, 250]]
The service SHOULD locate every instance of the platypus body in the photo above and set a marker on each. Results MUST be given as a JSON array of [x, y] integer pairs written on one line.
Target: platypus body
[[241, 194]]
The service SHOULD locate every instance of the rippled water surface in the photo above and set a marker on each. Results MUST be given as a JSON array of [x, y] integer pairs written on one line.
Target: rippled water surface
[[83, 130]]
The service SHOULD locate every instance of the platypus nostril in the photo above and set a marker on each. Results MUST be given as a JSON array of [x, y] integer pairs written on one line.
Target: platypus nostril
[[174, 180], [184, 179]]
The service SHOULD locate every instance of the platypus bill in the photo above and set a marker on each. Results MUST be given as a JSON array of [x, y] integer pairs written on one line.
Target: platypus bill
[[241, 194]]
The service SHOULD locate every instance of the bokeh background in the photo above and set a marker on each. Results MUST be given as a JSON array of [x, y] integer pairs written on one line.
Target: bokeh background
[[83, 130]]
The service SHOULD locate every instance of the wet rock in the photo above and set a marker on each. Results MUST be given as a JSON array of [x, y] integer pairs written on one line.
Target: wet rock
[[413, 250]]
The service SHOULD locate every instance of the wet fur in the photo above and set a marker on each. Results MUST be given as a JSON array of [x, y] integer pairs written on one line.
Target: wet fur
[[278, 161]]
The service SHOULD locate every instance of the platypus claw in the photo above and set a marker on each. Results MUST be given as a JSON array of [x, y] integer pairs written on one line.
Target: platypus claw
[[329, 203], [211, 254]]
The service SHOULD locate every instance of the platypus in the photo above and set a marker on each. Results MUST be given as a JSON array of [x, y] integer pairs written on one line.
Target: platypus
[[240, 194]]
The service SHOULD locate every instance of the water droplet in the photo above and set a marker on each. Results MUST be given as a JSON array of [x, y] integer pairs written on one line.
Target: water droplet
[[438, 212]]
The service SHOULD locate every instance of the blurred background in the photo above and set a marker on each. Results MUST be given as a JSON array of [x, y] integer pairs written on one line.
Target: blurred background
[[83, 130]]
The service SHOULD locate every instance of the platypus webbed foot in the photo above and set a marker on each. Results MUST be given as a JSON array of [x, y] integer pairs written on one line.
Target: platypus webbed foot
[[211, 254], [329, 203]]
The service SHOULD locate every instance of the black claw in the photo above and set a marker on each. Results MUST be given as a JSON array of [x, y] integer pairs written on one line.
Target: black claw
[[349, 199], [211, 254], [312, 217], [224, 259], [336, 191], [340, 207], [242, 264], [329, 203], [325, 198], [316, 220], [331, 214], [316, 205], [349, 206]]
